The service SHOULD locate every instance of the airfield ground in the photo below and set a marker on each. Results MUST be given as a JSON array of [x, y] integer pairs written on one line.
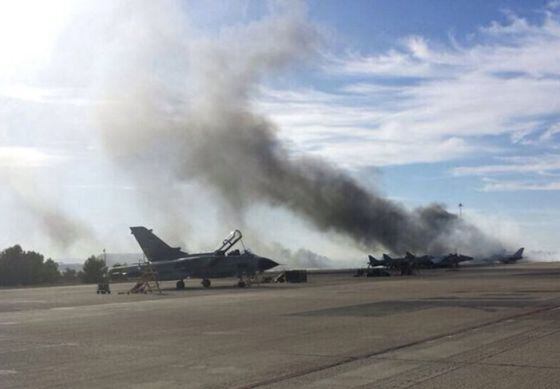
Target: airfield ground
[[493, 327]]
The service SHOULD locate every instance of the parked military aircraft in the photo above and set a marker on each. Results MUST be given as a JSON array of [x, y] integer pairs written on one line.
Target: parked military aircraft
[[507, 259], [431, 261], [170, 263], [424, 261], [404, 264], [450, 260], [410, 262], [374, 262]]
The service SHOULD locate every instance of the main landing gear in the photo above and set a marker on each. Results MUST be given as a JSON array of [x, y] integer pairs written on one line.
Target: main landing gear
[[180, 284], [206, 283]]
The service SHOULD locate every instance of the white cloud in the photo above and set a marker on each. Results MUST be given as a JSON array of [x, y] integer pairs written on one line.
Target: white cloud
[[34, 94], [514, 186], [516, 46], [393, 63], [26, 157], [550, 132], [553, 4], [533, 173], [542, 165], [461, 98]]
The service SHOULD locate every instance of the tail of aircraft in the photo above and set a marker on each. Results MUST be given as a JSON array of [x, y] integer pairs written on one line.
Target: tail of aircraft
[[409, 255], [374, 261], [153, 247], [519, 253], [513, 258], [386, 257]]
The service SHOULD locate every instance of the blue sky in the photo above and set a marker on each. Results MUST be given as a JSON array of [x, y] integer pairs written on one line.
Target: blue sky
[[375, 24], [423, 101]]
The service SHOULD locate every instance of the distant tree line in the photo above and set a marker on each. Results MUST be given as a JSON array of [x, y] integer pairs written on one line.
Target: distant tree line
[[22, 268]]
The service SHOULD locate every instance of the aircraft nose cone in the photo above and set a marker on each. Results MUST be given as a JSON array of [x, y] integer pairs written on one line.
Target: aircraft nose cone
[[265, 264]]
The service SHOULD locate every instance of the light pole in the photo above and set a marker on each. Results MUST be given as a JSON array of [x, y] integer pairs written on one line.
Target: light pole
[[460, 209]]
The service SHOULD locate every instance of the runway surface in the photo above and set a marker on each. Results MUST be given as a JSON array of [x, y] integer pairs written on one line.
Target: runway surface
[[493, 327]]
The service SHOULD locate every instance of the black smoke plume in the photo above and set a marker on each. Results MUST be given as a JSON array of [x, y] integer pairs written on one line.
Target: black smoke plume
[[191, 117]]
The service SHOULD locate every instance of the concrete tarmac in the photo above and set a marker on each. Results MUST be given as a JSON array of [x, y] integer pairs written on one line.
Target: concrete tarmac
[[487, 327]]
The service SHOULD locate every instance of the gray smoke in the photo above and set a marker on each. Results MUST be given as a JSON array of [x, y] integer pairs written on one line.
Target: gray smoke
[[182, 111], [62, 229], [300, 258]]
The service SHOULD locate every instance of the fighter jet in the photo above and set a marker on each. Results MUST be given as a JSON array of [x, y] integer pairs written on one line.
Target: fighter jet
[[430, 261], [450, 260], [404, 264], [424, 261], [170, 263], [374, 262], [507, 259]]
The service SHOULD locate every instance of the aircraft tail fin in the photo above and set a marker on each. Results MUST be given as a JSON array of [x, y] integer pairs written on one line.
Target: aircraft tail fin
[[153, 247], [386, 257], [373, 261], [519, 253], [409, 255]]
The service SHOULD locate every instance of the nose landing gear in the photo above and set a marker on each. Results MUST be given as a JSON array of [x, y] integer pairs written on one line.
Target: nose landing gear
[[180, 284]]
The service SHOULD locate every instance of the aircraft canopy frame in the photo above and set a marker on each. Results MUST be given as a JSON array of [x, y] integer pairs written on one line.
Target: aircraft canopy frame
[[229, 241]]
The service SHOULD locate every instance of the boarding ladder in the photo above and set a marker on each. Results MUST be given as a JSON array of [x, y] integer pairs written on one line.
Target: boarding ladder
[[148, 282]]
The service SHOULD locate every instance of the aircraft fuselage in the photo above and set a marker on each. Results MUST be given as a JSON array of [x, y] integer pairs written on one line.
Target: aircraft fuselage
[[208, 265]]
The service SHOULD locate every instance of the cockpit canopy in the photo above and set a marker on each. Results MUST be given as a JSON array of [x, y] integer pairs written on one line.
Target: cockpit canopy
[[229, 241]]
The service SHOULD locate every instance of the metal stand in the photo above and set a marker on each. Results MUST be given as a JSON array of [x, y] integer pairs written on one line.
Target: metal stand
[[148, 282]]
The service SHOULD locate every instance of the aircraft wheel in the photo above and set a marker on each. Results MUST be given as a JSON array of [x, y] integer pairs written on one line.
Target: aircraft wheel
[[206, 283], [180, 284], [241, 284]]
